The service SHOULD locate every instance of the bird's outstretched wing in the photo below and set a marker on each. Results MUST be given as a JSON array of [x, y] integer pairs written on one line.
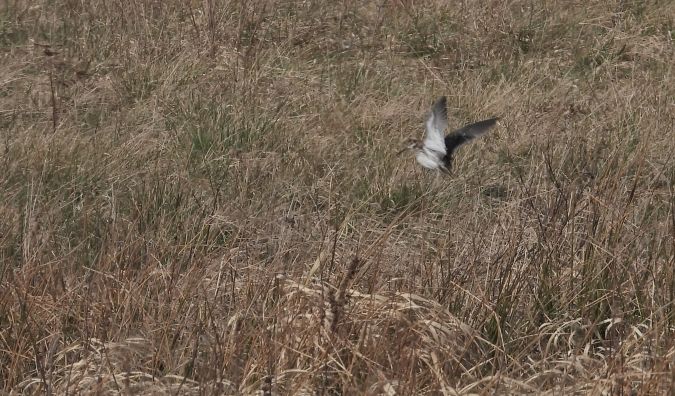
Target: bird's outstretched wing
[[466, 133], [436, 124]]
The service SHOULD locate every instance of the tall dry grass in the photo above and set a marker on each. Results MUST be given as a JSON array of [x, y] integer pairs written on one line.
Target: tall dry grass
[[202, 197]]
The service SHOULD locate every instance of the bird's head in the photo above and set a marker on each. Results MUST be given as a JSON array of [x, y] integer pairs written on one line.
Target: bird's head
[[410, 144]]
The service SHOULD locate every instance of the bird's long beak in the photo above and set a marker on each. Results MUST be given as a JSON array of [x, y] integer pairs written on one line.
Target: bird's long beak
[[402, 150]]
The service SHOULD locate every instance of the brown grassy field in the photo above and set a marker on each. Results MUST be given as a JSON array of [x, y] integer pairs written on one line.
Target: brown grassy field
[[203, 197]]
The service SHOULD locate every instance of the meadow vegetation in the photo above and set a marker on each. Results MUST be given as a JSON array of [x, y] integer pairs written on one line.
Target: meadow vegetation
[[203, 197]]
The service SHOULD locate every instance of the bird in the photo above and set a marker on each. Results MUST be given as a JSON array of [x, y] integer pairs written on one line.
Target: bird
[[435, 151]]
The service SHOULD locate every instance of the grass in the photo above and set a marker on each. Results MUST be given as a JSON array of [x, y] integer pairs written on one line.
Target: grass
[[203, 198]]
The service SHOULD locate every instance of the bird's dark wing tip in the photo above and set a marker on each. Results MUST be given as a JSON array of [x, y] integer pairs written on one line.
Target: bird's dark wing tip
[[440, 107], [477, 128], [492, 121]]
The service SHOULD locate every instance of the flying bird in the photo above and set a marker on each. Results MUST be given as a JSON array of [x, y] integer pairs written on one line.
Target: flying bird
[[435, 151]]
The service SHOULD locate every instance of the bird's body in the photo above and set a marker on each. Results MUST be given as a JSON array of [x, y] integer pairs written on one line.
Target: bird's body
[[428, 158], [435, 151]]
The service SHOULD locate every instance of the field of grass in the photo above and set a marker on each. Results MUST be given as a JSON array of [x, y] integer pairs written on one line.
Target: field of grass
[[202, 197]]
